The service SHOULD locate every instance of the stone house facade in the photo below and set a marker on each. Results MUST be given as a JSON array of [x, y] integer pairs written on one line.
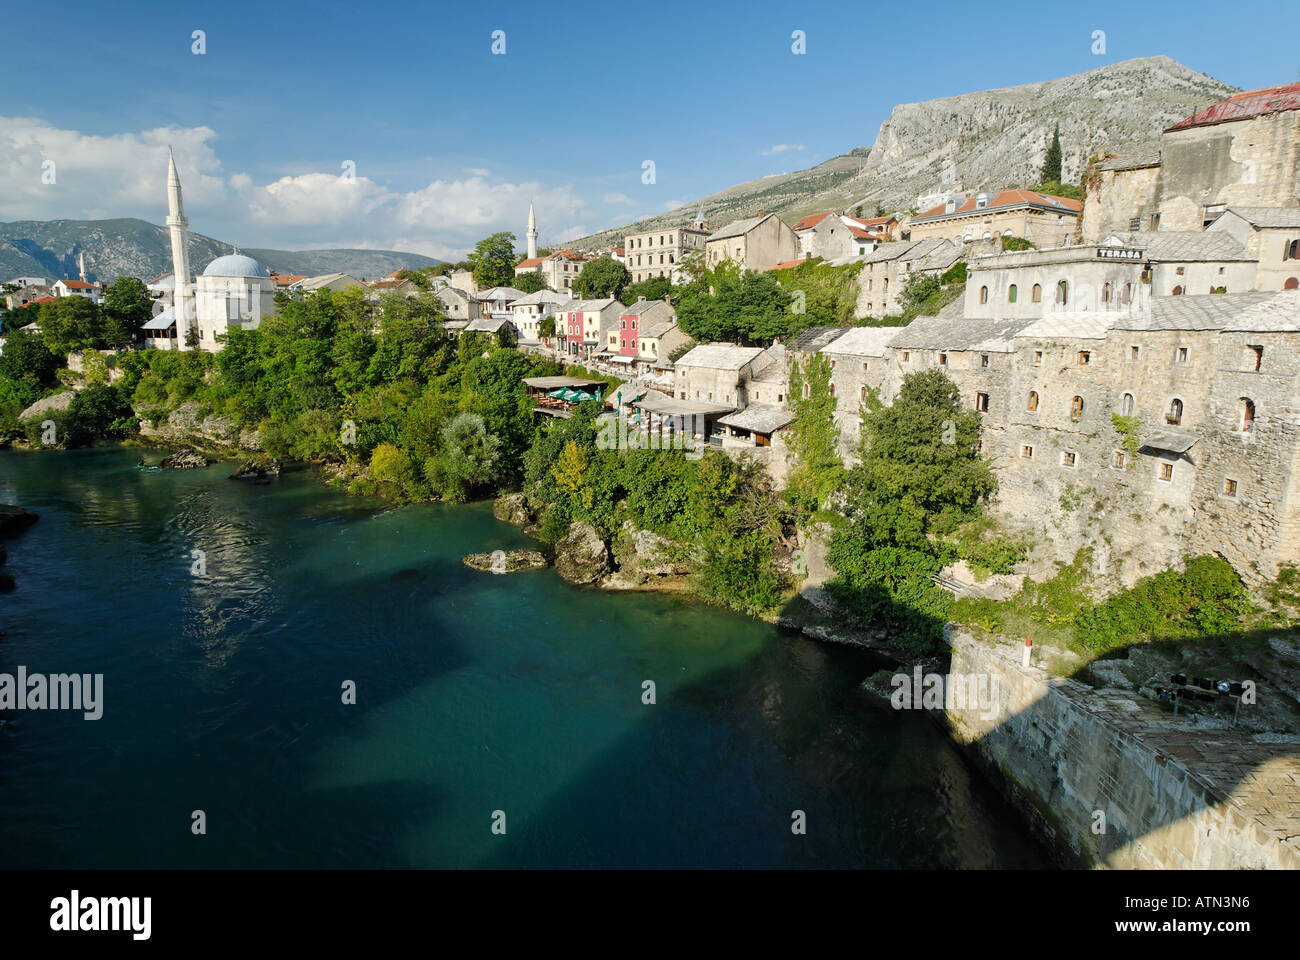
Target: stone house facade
[[654, 253], [1042, 219], [756, 243], [1272, 236], [884, 276]]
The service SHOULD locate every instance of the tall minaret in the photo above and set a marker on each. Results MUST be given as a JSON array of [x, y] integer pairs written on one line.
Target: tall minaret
[[81, 265], [532, 232], [178, 226]]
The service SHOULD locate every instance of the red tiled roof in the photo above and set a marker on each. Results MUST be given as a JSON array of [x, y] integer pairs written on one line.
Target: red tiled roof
[[1007, 198], [530, 262], [874, 221], [1242, 106], [810, 221], [387, 284], [287, 279], [44, 299], [79, 285], [787, 264], [568, 255]]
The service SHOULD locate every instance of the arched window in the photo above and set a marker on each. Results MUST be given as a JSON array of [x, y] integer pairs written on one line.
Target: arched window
[[1177, 292], [1036, 295], [1126, 405], [987, 235], [1076, 408], [1032, 404], [1291, 283], [1126, 295], [807, 389], [1011, 294], [1175, 414], [1105, 293], [864, 395], [1247, 415], [886, 289], [1063, 293], [984, 294], [1294, 250]]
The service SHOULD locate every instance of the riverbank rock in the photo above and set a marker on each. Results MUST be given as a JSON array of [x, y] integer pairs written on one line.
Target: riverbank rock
[[250, 439], [505, 561], [581, 556], [187, 417], [513, 508], [643, 555], [260, 468], [48, 405], [14, 520], [221, 429], [185, 460]]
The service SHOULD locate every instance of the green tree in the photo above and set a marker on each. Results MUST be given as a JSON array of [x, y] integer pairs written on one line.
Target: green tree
[[493, 260], [530, 282], [127, 307], [1052, 163], [814, 436], [467, 461], [417, 277], [602, 277], [71, 323], [655, 288]]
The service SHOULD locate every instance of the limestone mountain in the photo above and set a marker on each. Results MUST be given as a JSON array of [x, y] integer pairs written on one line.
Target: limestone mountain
[[136, 248], [985, 141]]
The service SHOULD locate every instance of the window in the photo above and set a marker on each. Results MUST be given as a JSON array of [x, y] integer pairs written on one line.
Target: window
[[1038, 356], [1175, 414], [1180, 355], [1105, 293], [984, 359], [1076, 408], [1117, 460], [864, 366], [984, 294], [863, 395], [1166, 471], [943, 359], [1291, 283], [1062, 293], [1027, 452], [906, 356], [1256, 354], [1036, 294], [1126, 294], [1126, 405], [807, 389], [1084, 357], [832, 388], [1229, 487], [1032, 403], [1011, 294], [1247, 415], [1176, 291], [982, 402], [1291, 251], [1134, 352], [1134, 224], [1067, 459], [1180, 271]]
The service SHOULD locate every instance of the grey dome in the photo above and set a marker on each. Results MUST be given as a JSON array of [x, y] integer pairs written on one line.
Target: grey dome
[[235, 265]]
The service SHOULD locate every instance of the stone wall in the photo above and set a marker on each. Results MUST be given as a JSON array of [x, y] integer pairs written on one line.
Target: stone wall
[[1173, 797], [1119, 197]]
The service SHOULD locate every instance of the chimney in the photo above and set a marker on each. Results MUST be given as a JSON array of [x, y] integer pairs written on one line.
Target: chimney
[[640, 299], [761, 211]]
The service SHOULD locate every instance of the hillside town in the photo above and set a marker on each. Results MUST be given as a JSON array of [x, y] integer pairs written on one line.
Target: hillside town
[[1168, 297]]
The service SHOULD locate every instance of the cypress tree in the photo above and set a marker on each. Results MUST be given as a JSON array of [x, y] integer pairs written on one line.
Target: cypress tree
[[1052, 165]]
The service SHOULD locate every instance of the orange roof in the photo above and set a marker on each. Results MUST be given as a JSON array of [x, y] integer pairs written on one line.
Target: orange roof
[[874, 221], [287, 279], [811, 220], [1007, 198], [787, 264], [387, 284], [161, 276], [79, 285], [568, 255], [530, 262], [45, 300], [1243, 106]]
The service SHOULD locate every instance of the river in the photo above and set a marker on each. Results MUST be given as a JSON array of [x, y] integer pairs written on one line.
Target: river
[[480, 700]]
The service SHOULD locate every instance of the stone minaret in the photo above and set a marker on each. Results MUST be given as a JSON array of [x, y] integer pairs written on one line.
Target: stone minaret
[[81, 265], [178, 226], [532, 233]]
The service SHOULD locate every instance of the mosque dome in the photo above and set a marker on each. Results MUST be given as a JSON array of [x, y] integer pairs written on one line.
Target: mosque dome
[[235, 265]]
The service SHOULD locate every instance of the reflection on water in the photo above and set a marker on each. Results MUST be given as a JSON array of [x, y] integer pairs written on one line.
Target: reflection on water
[[474, 693]]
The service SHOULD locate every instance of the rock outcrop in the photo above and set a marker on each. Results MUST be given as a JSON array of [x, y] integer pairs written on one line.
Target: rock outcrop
[[185, 460], [48, 405], [582, 556], [259, 468], [505, 561], [513, 508], [643, 555]]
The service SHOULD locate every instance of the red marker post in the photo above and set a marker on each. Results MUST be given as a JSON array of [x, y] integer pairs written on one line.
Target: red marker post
[[1028, 654]]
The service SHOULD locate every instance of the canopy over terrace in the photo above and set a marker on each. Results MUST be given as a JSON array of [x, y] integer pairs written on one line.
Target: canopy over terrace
[[668, 413], [541, 389]]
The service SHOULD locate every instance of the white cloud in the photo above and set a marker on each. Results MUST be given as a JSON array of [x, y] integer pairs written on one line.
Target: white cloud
[[618, 198], [124, 175], [780, 148]]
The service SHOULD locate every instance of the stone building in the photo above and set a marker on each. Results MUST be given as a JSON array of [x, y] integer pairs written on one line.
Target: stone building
[[1242, 151], [560, 269], [655, 252], [837, 236], [1042, 219], [1271, 235], [528, 313], [458, 305], [755, 243], [640, 316], [860, 364], [887, 269]]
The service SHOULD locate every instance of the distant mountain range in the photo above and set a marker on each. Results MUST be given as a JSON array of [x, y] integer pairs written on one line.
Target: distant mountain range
[[136, 248], [987, 141]]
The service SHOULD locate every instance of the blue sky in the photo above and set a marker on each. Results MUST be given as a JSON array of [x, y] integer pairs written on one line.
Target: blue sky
[[450, 141]]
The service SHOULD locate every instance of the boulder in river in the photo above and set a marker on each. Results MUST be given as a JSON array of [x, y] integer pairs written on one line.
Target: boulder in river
[[185, 460], [582, 556], [260, 467], [14, 520], [505, 561], [48, 405], [513, 508]]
